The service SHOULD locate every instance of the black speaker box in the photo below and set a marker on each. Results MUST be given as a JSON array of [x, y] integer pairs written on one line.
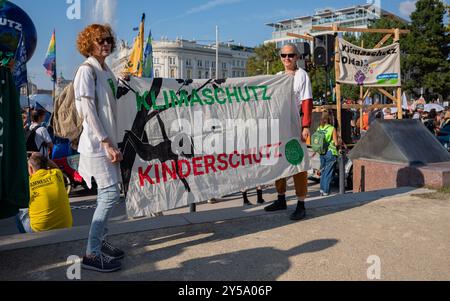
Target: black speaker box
[[324, 50]]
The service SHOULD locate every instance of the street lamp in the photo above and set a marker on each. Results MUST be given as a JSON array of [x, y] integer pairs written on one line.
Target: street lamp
[[217, 51]]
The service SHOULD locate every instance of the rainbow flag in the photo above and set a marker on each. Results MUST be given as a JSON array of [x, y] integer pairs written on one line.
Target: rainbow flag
[[148, 58], [134, 66], [50, 60]]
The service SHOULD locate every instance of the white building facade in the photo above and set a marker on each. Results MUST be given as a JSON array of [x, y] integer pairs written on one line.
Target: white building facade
[[189, 60], [360, 16]]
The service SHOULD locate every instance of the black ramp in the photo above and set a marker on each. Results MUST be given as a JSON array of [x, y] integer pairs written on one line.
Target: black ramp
[[400, 141]]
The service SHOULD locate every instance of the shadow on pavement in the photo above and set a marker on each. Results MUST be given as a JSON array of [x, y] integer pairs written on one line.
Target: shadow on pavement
[[147, 248]]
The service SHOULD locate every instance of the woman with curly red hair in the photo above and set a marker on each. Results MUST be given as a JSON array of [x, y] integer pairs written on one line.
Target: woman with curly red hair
[[95, 93]]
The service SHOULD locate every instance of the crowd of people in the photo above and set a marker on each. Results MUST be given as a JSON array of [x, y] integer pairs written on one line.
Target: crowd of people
[[433, 119], [100, 156]]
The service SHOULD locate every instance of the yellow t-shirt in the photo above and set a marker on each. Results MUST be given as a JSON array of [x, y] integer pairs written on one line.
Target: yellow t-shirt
[[49, 203]]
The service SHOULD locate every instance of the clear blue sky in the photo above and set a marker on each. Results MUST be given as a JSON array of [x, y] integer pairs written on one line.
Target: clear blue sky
[[240, 20]]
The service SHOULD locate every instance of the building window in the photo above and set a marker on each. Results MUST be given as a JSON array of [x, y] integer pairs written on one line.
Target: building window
[[224, 65], [206, 74], [224, 75], [156, 60], [213, 64], [206, 64], [171, 60], [214, 74], [172, 73], [234, 73], [188, 62], [200, 63], [189, 74], [199, 74], [157, 73]]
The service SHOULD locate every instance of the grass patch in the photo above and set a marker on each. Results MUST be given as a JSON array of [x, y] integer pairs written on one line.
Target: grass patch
[[440, 194]]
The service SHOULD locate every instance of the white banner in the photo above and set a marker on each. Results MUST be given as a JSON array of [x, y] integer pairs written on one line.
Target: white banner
[[369, 67], [189, 141]]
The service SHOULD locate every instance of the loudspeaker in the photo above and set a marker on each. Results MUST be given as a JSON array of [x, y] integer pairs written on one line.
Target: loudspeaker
[[305, 55], [400, 141], [304, 48], [346, 124], [324, 50]]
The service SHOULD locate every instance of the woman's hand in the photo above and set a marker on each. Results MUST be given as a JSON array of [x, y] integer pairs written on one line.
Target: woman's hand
[[112, 152]]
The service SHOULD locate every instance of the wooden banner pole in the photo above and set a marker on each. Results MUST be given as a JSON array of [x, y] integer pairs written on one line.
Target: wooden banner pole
[[399, 89], [338, 85]]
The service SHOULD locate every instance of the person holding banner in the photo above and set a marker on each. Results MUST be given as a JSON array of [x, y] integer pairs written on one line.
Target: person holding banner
[[289, 55], [95, 99]]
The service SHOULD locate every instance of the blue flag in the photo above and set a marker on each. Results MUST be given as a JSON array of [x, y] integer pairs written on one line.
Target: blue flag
[[148, 58], [20, 64]]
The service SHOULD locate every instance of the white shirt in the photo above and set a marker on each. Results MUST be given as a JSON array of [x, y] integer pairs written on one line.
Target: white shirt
[[99, 112], [96, 101], [302, 86], [41, 136]]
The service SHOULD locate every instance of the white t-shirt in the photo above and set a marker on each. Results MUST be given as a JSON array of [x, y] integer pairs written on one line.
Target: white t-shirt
[[41, 136], [302, 86]]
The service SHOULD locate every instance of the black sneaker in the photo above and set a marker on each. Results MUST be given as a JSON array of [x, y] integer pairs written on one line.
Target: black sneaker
[[246, 201], [260, 197], [112, 251], [298, 214], [100, 263], [279, 204]]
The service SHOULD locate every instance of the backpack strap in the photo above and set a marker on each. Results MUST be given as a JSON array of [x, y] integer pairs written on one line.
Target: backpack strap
[[40, 147], [91, 67], [95, 78]]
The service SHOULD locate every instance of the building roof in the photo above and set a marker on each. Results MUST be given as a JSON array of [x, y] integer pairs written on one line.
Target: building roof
[[327, 11]]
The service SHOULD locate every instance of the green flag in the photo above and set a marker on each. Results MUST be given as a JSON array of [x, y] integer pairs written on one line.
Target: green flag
[[14, 187]]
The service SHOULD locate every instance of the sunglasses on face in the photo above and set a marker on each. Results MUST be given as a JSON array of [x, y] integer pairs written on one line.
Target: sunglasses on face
[[108, 40], [289, 55]]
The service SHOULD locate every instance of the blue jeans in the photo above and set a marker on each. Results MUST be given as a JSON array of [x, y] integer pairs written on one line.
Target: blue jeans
[[23, 221], [107, 198], [327, 165]]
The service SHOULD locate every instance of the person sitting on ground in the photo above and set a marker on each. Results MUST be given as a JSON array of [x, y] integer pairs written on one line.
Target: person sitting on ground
[[49, 207], [43, 141]]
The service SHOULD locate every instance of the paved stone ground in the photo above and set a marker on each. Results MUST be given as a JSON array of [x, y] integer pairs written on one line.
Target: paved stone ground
[[410, 235]]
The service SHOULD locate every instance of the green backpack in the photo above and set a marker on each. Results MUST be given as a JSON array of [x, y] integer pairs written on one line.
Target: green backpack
[[319, 143]]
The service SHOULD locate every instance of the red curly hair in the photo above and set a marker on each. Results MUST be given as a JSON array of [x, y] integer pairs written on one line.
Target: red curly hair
[[90, 34]]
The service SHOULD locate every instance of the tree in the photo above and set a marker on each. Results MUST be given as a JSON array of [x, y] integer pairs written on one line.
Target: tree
[[265, 55], [428, 50]]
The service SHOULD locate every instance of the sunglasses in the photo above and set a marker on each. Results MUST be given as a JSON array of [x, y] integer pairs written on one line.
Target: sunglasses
[[108, 40], [289, 55]]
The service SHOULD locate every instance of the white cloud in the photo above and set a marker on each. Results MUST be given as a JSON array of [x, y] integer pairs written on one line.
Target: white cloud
[[104, 11], [210, 5], [407, 7]]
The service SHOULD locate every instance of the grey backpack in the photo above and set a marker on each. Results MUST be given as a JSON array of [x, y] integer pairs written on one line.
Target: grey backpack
[[66, 121]]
